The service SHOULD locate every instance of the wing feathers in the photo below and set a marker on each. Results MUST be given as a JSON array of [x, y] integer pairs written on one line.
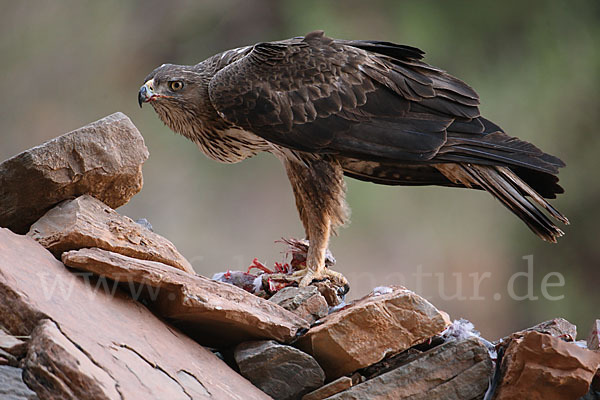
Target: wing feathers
[[368, 100], [280, 86], [497, 148]]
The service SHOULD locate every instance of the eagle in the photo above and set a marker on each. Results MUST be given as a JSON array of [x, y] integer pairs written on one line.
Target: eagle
[[369, 110]]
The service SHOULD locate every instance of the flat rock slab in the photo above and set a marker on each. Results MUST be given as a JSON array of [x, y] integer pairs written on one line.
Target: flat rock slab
[[87, 222], [87, 344], [371, 328], [103, 159], [281, 371], [337, 386], [214, 313], [457, 370], [11, 344], [539, 366]]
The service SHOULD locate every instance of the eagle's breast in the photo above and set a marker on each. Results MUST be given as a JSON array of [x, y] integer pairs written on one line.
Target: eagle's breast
[[230, 145]]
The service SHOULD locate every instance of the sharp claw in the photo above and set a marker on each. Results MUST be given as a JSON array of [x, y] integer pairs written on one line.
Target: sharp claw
[[342, 291]]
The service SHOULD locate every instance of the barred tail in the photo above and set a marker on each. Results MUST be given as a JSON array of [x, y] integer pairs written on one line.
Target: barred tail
[[513, 192]]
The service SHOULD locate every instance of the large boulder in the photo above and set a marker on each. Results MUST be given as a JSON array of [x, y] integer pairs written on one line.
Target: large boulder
[[103, 159], [370, 329], [539, 366]]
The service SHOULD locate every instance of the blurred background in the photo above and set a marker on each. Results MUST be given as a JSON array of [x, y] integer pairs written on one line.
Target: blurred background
[[535, 64]]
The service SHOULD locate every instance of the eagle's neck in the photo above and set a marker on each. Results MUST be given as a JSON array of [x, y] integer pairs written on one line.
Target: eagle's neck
[[217, 138]]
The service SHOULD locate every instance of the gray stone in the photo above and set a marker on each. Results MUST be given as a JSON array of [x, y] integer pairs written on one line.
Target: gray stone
[[305, 302], [103, 159], [281, 371], [457, 370], [593, 339], [12, 386]]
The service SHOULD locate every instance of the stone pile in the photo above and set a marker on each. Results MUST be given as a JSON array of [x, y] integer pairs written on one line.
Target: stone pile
[[96, 306]]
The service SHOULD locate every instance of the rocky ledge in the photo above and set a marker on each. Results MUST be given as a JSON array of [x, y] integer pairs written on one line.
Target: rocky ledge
[[96, 306]]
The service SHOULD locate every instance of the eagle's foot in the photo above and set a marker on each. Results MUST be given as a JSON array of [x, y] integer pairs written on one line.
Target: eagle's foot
[[309, 275], [302, 272]]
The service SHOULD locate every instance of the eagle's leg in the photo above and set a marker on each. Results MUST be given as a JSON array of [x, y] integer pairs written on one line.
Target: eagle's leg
[[319, 189]]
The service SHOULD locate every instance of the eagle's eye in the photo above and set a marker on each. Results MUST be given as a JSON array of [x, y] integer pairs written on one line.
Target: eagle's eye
[[175, 85]]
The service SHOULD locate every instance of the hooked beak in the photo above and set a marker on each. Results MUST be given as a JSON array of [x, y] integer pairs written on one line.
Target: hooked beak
[[146, 92]]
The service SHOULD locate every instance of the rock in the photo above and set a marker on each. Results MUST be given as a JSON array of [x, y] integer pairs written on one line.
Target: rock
[[11, 344], [87, 222], [198, 305], [594, 392], [305, 302], [593, 340], [281, 371], [12, 386], [85, 339], [390, 363], [540, 366], [370, 329], [103, 159], [339, 385], [329, 293], [55, 365], [8, 359], [557, 327], [457, 370]]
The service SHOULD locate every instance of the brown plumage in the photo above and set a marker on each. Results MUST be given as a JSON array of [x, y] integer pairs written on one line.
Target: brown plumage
[[365, 109]]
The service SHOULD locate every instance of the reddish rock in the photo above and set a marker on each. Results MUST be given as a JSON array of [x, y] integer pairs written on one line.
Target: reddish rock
[[370, 329], [538, 366], [11, 344], [305, 302], [557, 327], [55, 365], [329, 293], [214, 313], [99, 345], [457, 370], [87, 222], [337, 386], [281, 371], [103, 159]]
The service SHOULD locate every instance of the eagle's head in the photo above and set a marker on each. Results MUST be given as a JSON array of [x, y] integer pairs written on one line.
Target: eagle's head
[[179, 95]]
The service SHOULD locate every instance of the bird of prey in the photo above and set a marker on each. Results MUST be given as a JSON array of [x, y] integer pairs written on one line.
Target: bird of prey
[[369, 110]]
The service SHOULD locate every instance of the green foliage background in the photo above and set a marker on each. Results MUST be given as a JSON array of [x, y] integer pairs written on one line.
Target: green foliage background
[[535, 64]]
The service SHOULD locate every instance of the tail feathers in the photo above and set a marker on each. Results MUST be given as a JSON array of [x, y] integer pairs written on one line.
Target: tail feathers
[[517, 182], [510, 190]]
